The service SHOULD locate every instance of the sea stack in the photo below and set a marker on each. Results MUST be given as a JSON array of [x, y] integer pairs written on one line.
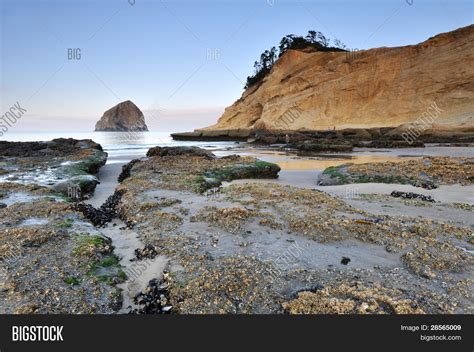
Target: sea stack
[[123, 117]]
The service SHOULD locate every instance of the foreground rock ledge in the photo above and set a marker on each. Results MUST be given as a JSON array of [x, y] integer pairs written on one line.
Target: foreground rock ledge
[[225, 250], [52, 260]]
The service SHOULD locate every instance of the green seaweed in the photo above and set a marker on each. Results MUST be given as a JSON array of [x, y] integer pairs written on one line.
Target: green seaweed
[[107, 270], [110, 260], [84, 242], [213, 178], [335, 172], [86, 166], [72, 280], [66, 223], [339, 173]]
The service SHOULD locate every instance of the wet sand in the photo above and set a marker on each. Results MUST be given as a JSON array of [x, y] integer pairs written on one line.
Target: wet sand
[[124, 240], [308, 179]]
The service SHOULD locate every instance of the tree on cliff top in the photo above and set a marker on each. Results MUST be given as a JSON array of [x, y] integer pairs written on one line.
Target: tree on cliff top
[[315, 41]]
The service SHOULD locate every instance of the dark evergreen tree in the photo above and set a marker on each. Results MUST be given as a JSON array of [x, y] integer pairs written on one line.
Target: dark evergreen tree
[[315, 41], [312, 36], [285, 43], [321, 39], [338, 44]]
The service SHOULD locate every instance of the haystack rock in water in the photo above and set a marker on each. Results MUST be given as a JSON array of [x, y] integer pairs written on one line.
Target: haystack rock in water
[[123, 117], [376, 88]]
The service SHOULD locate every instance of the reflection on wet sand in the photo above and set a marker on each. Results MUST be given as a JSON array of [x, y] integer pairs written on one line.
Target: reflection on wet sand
[[290, 160], [321, 162]]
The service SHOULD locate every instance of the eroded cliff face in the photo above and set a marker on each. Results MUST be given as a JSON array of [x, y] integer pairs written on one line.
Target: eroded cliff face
[[123, 117], [383, 87]]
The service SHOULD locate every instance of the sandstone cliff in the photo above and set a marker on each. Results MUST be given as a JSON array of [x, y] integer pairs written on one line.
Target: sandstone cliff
[[382, 87], [123, 117]]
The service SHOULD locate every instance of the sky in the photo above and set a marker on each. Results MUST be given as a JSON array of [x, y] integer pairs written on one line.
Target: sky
[[181, 62]]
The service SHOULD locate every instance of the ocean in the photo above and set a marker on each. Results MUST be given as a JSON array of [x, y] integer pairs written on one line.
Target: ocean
[[118, 144]]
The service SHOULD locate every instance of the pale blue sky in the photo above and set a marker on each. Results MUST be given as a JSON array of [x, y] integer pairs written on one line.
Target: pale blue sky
[[160, 54]]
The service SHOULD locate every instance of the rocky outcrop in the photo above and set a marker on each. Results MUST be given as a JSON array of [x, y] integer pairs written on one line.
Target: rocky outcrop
[[196, 169], [123, 117], [369, 89], [428, 172], [58, 147], [66, 165], [179, 151]]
